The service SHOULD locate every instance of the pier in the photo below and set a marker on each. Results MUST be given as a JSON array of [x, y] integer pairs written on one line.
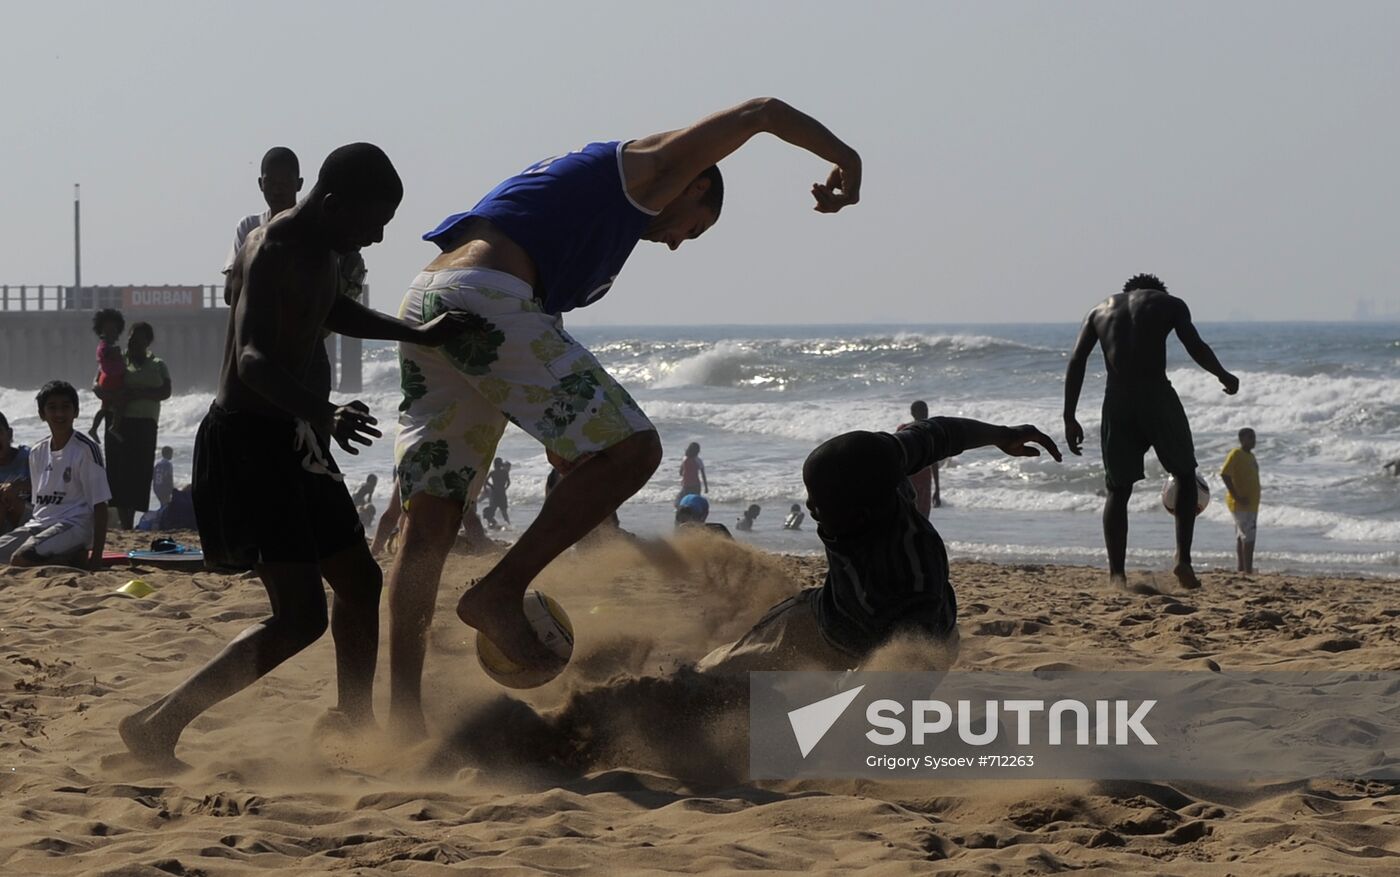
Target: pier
[[46, 334]]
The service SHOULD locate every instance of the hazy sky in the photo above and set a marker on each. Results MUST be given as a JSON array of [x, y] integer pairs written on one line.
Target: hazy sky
[[1021, 159]]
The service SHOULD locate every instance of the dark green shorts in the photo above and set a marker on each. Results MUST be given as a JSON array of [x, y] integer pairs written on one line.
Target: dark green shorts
[[1144, 417]]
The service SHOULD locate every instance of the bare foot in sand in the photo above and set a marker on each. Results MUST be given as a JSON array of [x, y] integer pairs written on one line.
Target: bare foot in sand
[[147, 741], [498, 613], [407, 726], [1186, 576], [1121, 583]]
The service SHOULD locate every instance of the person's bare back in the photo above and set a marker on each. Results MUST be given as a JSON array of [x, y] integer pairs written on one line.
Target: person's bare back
[[1132, 328]]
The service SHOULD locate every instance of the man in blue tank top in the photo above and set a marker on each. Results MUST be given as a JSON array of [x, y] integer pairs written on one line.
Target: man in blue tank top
[[546, 241]]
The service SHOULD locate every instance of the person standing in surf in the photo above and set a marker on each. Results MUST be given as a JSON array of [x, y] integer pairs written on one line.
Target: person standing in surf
[[544, 242], [1141, 409]]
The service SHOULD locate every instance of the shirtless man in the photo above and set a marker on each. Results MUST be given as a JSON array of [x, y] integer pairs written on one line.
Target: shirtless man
[[544, 242], [267, 435], [1140, 408]]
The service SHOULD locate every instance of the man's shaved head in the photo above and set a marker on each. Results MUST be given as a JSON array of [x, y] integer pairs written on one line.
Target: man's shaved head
[[361, 172], [280, 158]]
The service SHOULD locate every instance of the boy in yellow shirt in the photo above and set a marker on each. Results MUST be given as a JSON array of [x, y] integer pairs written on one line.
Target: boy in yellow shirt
[[1241, 476]]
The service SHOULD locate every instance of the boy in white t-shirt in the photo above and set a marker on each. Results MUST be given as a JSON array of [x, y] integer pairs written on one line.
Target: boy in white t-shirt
[[70, 491]]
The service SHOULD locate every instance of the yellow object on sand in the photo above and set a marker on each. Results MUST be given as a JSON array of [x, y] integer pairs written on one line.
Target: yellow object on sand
[[136, 588]]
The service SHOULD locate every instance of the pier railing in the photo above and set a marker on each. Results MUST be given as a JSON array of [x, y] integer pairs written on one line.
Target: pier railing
[[41, 297], [46, 333]]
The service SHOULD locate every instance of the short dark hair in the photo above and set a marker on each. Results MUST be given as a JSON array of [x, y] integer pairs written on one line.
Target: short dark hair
[[361, 171], [105, 316], [1246, 430], [1144, 281], [918, 406], [56, 388], [4, 424], [280, 157], [167, 451], [714, 196], [144, 328]]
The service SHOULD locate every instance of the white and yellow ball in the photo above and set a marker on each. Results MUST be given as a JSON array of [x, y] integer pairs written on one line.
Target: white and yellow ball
[[556, 632]]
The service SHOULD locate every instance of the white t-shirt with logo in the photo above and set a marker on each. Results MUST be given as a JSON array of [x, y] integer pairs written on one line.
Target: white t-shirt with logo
[[67, 483]]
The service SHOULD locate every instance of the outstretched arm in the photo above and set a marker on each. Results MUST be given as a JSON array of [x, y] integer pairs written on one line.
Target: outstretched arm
[[1200, 350], [1074, 382], [349, 317], [659, 167], [925, 442]]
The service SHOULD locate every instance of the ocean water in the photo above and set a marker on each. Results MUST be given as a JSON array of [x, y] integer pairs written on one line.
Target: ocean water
[[1324, 399]]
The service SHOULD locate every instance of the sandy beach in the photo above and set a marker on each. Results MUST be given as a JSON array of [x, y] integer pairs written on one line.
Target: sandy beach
[[594, 774]]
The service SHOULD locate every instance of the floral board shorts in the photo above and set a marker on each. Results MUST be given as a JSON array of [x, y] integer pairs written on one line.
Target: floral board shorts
[[515, 364]]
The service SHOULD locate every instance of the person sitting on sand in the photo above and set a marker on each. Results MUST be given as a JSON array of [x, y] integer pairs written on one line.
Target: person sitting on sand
[[70, 491], [1140, 408], [14, 479], [267, 434], [795, 518], [1241, 476], [887, 568], [364, 500], [745, 522], [693, 510]]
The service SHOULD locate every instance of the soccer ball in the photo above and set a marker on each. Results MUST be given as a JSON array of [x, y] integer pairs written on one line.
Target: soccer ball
[[552, 626], [1202, 494]]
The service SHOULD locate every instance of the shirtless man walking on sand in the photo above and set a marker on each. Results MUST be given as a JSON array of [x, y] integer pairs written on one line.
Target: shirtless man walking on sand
[[546, 241], [268, 434], [1140, 408]]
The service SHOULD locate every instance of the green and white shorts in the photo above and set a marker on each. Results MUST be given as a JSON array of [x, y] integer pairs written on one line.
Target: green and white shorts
[[515, 363]]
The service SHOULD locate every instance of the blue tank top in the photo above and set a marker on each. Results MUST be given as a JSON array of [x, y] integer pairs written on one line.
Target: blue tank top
[[573, 217]]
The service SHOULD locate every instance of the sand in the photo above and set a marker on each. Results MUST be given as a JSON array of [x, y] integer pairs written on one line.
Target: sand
[[583, 776]]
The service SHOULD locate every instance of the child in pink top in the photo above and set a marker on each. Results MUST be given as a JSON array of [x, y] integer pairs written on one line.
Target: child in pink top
[[692, 473], [111, 369]]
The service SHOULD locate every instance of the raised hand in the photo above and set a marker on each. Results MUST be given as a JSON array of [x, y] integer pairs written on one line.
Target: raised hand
[[842, 188], [1231, 384]]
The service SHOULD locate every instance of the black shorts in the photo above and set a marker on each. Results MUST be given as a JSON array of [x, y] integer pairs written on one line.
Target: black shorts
[[255, 502], [1147, 416]]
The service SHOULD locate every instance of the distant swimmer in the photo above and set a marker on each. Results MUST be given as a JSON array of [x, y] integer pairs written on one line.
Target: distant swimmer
[[887, 567], [268, 497], [546, 241], [795, 518], [745, 522], [694, 511], [1393, 467], [1241, 476], [1140, 408]]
